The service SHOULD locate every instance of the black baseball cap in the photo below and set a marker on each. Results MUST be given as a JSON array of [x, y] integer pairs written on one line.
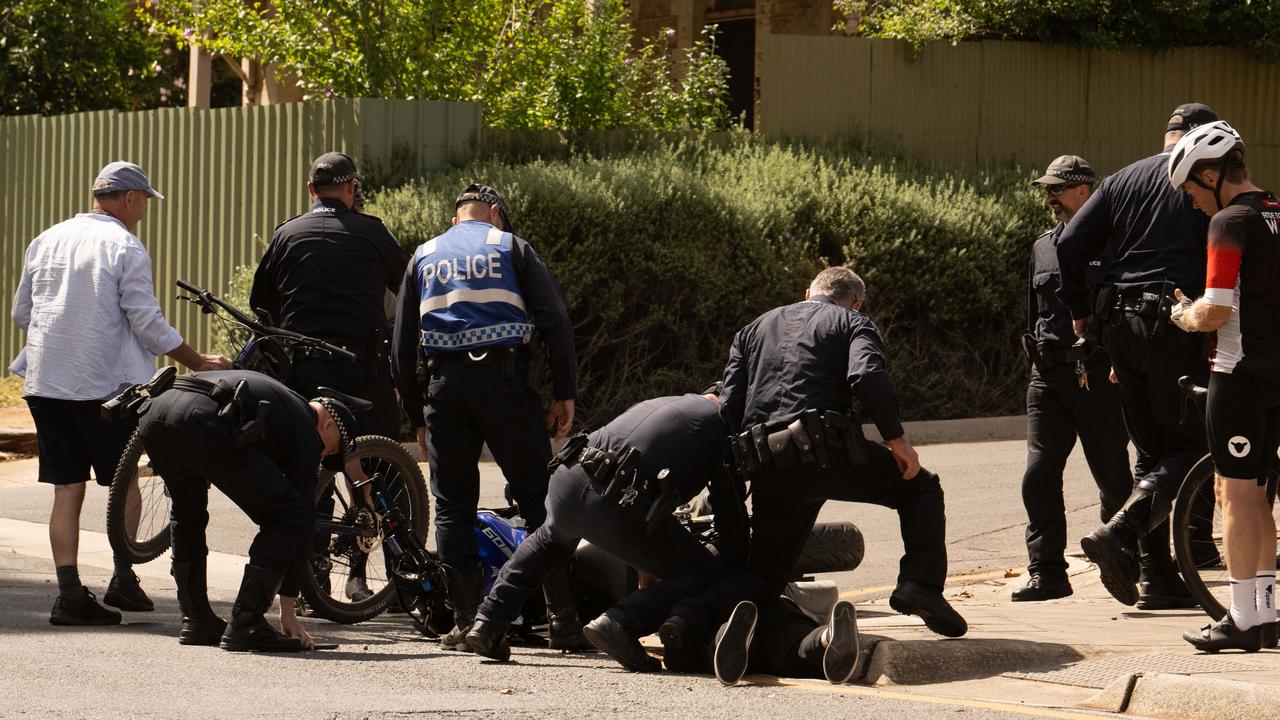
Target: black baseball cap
[[333, 168], [487, 195], [1067, 169], [1189, 116]]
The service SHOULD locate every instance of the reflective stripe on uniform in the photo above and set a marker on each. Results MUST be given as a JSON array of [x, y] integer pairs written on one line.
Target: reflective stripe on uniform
[[477, 336], [439, 302]]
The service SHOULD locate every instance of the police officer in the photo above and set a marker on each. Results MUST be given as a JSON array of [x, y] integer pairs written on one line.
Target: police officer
[[260, 443], [1154, 240], [789, 387], [469, 305], [1069, 395], [617, 488], [326, 274]]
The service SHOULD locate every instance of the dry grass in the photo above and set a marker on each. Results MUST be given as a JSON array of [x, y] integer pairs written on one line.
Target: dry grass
[[10, 391]]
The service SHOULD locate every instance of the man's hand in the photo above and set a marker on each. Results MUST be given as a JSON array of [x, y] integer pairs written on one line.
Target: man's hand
[[290, 626], [905, 455], [1080, 326], [213, 362], [1180, 314], [560, 417], [422, 442], [1112, 377]]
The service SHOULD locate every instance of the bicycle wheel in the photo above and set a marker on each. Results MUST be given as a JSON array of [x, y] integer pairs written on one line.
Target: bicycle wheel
[[138, 508], [1198, 538], [348, 545]]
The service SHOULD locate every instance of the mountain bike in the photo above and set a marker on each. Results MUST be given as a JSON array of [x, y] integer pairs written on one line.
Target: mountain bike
[[138, 506], [1197, 525]]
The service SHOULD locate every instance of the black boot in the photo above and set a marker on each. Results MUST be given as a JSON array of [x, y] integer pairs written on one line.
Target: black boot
[[1043, 586], [1159, 585], [249, 629], [464, 596], [489, 639], [200, 626], [913, 598], [564, 629], [612, 637], [1114, 546]]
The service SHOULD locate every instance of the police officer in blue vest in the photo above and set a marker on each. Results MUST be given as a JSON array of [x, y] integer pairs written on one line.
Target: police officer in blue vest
[[470, 304]]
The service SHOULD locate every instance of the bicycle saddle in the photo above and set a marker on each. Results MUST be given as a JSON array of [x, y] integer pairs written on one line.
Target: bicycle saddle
[[355, 404]]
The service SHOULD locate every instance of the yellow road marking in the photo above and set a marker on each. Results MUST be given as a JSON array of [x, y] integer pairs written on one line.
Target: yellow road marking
[[953, 580], [928, 699]]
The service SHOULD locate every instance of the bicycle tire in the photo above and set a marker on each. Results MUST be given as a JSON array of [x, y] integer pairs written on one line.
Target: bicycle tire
[[320, 600], [1184, 519], [124, 544]]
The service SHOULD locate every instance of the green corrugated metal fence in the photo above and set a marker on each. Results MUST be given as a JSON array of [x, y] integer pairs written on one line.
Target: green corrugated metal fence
[[986, 102], [229, 176]]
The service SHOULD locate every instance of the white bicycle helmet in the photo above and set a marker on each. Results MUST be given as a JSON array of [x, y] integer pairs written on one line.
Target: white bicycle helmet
[[1207, 142]]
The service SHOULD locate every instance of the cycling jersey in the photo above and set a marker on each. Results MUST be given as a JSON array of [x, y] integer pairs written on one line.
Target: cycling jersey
[[1244, 263]]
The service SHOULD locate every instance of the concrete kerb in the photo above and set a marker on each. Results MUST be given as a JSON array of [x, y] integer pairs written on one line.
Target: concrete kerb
[[1187, 698]]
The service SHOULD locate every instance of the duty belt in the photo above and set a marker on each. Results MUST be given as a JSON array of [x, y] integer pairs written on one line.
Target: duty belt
[[616, 476], [233, 402], [809, 440], [508, 359]]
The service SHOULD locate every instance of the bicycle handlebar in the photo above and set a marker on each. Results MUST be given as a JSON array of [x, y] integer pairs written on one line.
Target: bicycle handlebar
[[208, 300]]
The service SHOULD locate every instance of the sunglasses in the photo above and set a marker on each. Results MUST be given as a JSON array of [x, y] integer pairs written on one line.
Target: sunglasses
[[1056, 190]]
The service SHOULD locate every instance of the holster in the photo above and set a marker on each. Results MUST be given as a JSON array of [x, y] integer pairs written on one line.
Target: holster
[[849, 429], [1031, 349], [664, 503], [620, 487], [807, 440], [129, 402], [249, 420], [572, 447]]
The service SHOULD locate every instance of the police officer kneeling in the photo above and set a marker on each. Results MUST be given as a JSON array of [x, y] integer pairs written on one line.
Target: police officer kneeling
[[260, 443], [789, 387]]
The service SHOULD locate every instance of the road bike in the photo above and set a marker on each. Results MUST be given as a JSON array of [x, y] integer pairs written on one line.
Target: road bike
[[1197, 525]]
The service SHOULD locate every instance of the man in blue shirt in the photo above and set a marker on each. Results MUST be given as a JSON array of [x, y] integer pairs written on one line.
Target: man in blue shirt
[[471, 301]]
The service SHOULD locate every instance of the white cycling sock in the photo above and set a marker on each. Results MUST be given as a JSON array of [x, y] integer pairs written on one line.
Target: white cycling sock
[[1266, 596], [1244, 597]]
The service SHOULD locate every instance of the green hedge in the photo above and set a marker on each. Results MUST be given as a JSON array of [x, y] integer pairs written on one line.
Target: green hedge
[[664, 253]]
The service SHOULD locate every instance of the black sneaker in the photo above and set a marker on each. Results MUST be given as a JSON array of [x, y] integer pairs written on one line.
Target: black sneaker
[[81, 611], [1224, 635], [913, 598], [1043, 587], [733, 644], [841, 656], [126, 593], [674, 635]]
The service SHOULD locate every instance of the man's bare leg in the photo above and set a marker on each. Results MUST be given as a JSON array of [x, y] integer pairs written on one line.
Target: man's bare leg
[[1242, 527]]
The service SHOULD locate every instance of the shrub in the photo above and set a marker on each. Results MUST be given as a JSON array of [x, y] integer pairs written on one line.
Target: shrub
[[663, 253]]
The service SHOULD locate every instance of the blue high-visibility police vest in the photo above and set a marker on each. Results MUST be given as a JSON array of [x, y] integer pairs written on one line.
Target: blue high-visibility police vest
[[469, 295]]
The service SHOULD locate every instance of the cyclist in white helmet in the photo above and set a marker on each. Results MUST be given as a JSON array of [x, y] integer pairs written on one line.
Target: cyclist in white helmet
[[1241, 304]]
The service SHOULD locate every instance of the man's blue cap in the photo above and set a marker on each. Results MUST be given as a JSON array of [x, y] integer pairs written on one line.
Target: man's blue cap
[[121, 175]]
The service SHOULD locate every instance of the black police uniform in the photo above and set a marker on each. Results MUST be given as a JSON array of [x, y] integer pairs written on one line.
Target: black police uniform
[[271, 478], [815, 355], [683, 436], [1155, 241], [1069, 395], [325, 274], [461, 326]]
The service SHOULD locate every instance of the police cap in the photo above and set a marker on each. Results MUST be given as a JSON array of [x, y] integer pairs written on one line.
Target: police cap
[[333, 168], [476, 192], [1067, 169], [346, 422]]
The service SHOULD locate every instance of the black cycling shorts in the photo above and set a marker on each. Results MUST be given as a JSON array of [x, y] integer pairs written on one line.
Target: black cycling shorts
[[72, 437], [1243, 422]]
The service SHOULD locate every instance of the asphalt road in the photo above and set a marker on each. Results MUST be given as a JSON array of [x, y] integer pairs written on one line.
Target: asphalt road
[[384, 669]]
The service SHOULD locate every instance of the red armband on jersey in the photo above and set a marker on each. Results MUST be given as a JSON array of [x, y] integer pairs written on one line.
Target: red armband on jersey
[[1223, 273]]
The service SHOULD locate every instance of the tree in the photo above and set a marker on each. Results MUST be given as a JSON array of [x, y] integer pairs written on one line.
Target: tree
[[61, 56], [1105, 24], [532, 63]]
